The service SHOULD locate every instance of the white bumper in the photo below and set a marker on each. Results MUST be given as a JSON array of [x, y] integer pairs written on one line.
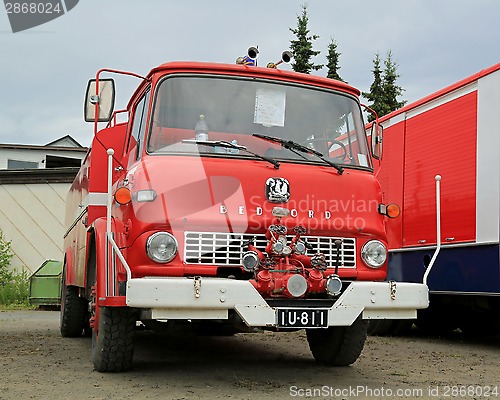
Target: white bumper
[[212, 298]]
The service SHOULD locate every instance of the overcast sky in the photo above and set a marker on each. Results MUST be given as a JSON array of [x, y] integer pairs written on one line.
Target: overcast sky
[[44, 70]]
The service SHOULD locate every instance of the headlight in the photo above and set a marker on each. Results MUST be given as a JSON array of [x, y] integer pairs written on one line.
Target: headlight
[[374, 253], [161, 247]]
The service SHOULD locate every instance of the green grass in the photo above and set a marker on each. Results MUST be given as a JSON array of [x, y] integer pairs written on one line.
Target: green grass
[[16, 307], [14, 289]]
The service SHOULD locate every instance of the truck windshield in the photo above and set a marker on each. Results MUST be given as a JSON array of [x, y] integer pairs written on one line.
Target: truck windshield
[[214, 108]]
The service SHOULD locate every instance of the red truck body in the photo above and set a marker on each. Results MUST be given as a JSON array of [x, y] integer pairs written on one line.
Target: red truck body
[[272, 218], [452, 133]]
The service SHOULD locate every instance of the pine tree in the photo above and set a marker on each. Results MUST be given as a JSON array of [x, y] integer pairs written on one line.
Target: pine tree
[[302, 47], [333, 61], [391, 90]]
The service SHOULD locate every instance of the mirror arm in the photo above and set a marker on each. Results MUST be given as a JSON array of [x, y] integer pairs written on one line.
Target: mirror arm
[[117, 71], [96, 98], [376, 135], [372, 111]]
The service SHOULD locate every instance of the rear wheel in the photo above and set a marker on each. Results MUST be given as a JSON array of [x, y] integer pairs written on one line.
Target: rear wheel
[[113, 341], [380, 327], [402, 327], [478, 324], [436, 321], [338, 345], [73, 309], [213, 328], [390, 327]]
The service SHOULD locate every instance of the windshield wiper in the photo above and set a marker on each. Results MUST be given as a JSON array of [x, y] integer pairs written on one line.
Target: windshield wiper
[[229, 145], [292, 146]]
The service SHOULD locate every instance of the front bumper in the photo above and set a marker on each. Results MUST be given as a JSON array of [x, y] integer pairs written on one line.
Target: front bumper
[[212, 298]]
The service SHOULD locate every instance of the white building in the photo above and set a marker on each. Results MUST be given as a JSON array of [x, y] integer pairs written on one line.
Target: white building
[[34, 181], [64, 152]]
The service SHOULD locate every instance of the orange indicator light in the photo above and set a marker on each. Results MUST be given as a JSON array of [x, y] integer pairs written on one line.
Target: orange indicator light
[[123, 196]]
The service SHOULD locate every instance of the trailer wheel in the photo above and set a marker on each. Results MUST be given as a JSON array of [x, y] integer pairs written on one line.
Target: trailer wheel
[[113, 341], [73, 309], [338, 345]]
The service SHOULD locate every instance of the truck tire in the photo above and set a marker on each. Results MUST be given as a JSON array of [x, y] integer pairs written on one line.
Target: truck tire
[[73, 310], [113, 342], [338, 345]]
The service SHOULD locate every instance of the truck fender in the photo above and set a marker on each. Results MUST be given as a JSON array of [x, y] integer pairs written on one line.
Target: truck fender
[[105, 277], [68, 277], [97, 273]]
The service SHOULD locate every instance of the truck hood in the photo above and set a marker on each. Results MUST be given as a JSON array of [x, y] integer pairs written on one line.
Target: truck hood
[[238, 195]]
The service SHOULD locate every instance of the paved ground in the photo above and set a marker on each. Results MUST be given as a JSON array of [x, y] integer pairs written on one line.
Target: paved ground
[[36, 363]]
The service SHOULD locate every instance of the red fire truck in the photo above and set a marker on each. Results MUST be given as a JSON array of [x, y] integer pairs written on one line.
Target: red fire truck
[[235, 197], [453, 133]]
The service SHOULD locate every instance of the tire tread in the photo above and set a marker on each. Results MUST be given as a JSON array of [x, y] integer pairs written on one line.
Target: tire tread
[[114, 346], [338, 346], [73, 313]]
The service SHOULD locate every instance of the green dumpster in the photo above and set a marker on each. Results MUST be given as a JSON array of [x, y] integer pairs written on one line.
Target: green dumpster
[[45, 284]]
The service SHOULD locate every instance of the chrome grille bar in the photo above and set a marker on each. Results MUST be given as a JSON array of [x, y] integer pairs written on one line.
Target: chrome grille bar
[[225, 249]]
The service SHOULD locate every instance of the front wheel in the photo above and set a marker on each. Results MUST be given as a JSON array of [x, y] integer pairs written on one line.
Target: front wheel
[[338, 345], [113, 341]]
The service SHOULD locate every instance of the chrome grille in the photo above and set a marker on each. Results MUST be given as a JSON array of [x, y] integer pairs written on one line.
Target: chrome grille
[[224, 249]]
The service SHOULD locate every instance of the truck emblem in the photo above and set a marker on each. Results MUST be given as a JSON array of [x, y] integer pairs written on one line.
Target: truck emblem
[[277, 190]]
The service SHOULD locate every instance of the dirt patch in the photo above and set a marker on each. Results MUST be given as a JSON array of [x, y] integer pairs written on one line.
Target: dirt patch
[[36, 362]]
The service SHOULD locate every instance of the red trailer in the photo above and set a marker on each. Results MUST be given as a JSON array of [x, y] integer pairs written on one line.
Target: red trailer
[[234, 198], [454, 133]]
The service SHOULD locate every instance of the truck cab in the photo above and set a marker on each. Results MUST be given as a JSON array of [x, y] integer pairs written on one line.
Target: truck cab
[[234, 196]]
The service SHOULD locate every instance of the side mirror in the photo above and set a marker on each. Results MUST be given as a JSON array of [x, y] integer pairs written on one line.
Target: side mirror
[[105, 99], [376, 136]]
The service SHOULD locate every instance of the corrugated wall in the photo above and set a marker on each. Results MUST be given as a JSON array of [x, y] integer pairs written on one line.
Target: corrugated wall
[[32, 217], [441, 141]]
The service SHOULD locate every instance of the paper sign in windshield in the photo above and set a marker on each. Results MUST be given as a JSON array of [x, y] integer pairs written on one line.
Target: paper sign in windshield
[[270, 107]]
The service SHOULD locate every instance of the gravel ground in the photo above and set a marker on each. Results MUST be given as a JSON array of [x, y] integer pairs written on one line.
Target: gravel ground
[[37, 363]]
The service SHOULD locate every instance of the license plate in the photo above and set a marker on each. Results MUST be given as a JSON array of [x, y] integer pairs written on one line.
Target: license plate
[[301, 318]]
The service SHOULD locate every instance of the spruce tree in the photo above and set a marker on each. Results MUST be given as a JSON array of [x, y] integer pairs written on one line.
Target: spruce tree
[[302, 48], [376, 95], [391, 90], [333, 61]]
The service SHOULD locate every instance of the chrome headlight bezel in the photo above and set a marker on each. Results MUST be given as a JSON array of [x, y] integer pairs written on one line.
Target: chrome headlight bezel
[[374, 254], [250, 261], [170, 249]]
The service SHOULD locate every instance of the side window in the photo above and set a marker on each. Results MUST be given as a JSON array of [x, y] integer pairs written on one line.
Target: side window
[[139, 125]]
